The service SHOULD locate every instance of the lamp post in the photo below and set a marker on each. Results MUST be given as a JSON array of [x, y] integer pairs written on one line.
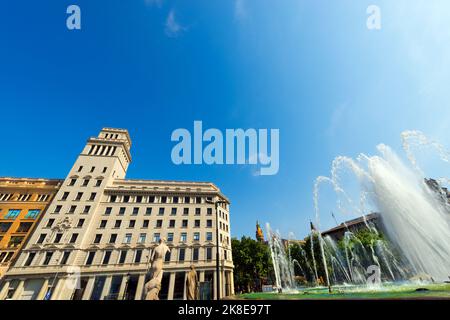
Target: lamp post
[[216, 205]]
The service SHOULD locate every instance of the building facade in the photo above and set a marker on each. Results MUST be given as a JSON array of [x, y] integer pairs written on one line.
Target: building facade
[[96, 240], [22, 204]]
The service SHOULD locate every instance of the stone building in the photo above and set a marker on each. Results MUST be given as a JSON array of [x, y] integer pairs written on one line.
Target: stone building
[[22, 204], [96, 239]]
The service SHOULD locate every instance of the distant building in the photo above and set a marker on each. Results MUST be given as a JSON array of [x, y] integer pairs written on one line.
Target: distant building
[[22, 204], [354, 225], [435, 186]]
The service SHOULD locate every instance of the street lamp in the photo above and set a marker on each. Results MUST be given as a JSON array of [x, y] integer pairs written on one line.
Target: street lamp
[[216, 205]]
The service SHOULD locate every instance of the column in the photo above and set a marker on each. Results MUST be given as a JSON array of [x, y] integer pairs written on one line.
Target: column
[[122, 288], [88, 290], [202, 276], [4, 290], [106, 287], [43, 291], [215, 286], [185, 288], [56, 291], [140, 287], [232, 282], [18, 291], [171, 286]]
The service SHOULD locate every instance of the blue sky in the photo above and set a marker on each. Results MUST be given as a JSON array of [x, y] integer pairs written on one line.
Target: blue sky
[[309, 68]]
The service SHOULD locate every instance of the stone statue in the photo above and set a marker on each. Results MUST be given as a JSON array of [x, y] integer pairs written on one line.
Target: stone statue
[[156, 272], [192, 284]]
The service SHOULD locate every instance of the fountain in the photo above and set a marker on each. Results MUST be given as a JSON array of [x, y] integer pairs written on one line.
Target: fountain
[[414, 216]]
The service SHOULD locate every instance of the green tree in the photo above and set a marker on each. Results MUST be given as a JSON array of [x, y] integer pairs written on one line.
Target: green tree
[[252, 263]]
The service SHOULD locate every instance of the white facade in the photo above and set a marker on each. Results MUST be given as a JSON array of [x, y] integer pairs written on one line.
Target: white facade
[[96, 238]]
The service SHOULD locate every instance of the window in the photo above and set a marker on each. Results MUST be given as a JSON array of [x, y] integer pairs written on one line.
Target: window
[[184, 223], [135, 211], [87, 209], [186, 211], [181, 254], [142, 237], [209, 211], [105, 169], [151, 199], [108, 211], [126, 199], [65, 257], [98, 183], [132, 224], [30, 259], [148, 211], [90, 258], [127, 239], [122, 211], [113, 199], [4, 226], [92, 169], [85, 183], [158, 223], [172, 224], [80, 168], [183, 237], [103, 224], [161, 211], [58, 209], [163, 199], [73, 238], [187, 200], [48, 258], [117, 224], [92, 197], [106, 257], [72, 182], [123, 256], [24, 226], [197, 223], [145, 224], [175, 199], [15, 241], [196, 236], [209, 236], [156, 237], [195, 254], [174, 212], [137, 257], [197, 211], [58, 237], [41, 238], [209, 223], [79, 196], [168, 256], [50, 223], [113, 238], [72, 209], [139, 199], [65, 196], [198, 200], [170, 237], [12, 214], [32, 214], [98, 238], [209, 254], [80, 223]]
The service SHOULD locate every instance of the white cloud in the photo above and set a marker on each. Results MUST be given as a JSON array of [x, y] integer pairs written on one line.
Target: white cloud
[[240, 9], [173, 27]]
